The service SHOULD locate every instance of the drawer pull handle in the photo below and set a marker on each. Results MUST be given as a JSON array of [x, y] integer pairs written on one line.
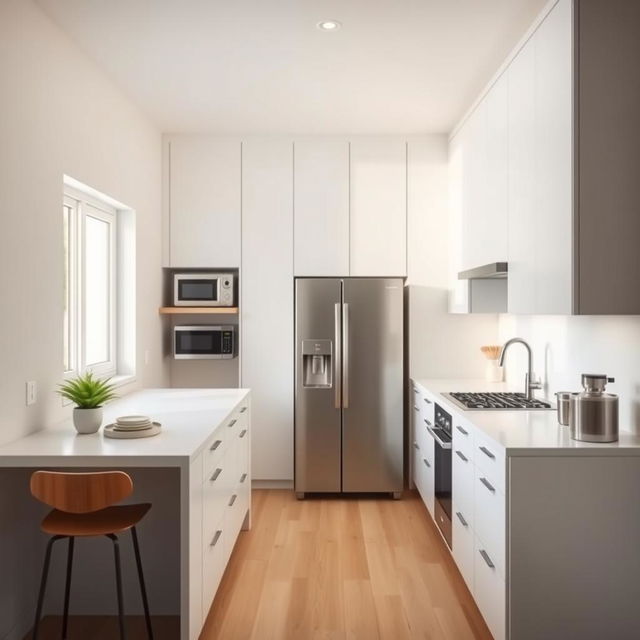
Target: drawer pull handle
[[215, 445], [427, 401], [487, 559], [215, 475], [462, 430], [416, 408], [462, 520], [487, 453], [462, 456], [243, 409], [416, 446], [232, 423], [243, 433], [426, 462], [427, 423], [216, 537], [243, 477], [415, 390], [233, 499], [487, 484]]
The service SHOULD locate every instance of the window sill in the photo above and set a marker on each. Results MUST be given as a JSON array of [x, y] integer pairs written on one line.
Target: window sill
[[121, 380]]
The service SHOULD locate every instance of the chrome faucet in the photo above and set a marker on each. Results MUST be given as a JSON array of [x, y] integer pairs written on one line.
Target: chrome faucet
[[529, 383]]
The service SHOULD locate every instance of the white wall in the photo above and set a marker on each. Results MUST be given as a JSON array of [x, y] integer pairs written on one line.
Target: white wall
[[441, 345], [58, 115], [566, 346]]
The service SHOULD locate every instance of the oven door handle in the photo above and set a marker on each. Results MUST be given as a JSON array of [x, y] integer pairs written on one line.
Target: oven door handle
[[436, 437]]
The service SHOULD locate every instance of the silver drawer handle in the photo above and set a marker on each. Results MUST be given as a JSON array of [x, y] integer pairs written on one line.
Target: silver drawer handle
[[427, 401], [487, 559], [216, 537], [464, 432], [233, 499], [232, 423], [215, 475], [415, 390], [487, 453], [416, 446], [462, 520], [243, 409], [415, 408], [487, 484], [215, 445], [243, 433], [428, 423], [243, 477], [462, 456], [426, 462]]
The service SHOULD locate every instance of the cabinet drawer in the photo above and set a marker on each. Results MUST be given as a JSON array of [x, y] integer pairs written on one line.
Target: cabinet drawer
[[490, 457], [489, 592], [463, 545], [218, 486], [243, 451], [235, 512], [463, 485], [489, 519], [213, 565], [463, 436], [427, 406], [423, 477], [215, 449]]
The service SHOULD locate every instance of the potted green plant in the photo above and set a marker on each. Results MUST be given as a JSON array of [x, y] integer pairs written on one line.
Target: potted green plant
[[89, 394]]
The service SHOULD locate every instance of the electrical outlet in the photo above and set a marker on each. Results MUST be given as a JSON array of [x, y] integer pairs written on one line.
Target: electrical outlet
[[32, 392]]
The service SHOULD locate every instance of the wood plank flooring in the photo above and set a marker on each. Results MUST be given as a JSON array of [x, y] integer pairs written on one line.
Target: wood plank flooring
[[344, 569]]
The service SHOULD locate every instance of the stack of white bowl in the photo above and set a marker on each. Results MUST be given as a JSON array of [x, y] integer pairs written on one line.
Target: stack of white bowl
[[132, 423]]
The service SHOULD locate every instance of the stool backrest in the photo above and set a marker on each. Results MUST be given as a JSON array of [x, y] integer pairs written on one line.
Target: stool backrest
[[80, 492]]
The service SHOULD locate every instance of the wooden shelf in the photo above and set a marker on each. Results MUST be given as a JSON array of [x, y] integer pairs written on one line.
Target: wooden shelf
[[193, 310]]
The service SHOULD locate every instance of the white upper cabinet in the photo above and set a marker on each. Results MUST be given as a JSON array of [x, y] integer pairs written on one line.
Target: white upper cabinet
[[204, 201], [378, 234], [321, 207]]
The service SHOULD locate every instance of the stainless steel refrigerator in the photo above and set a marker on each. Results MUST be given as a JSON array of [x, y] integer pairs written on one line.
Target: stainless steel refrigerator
[[349, 385]]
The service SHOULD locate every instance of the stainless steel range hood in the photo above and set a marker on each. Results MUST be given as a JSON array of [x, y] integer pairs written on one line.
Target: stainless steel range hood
[[485, 272]]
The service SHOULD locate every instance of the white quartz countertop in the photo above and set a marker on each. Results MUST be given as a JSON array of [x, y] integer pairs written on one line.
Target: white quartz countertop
[[524, 432], [188, 418]]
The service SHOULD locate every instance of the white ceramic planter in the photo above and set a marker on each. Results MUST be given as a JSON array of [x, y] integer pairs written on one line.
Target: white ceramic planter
[[87, 420]]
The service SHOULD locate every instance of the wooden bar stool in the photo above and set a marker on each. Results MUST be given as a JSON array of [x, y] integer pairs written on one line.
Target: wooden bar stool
[[83, 507]]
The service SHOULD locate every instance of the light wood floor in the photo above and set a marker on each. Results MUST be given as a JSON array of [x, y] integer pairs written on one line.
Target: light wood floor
[[341, 568]]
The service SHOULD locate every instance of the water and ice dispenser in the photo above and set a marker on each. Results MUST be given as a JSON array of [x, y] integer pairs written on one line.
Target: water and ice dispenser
[[316, 364]]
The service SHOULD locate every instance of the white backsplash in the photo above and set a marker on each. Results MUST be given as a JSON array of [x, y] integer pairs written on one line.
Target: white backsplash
[[566, 346]]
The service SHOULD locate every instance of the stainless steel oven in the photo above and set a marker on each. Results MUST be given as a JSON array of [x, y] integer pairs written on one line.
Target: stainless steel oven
[[441, 432], [203, 289], [203, 342]]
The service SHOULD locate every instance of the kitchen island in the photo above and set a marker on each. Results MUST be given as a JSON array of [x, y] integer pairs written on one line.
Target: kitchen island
[[544, 529], [204, 447]]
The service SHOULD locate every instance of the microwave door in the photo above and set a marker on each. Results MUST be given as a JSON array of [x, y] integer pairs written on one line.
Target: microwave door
[[198, 344], [190, 291]]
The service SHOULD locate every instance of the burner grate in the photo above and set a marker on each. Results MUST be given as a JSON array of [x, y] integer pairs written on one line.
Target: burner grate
[[498, 400]]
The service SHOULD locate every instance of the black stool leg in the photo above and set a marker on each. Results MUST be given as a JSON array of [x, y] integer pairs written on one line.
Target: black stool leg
[[116, 555], [143, 590], [43, 584], [67, 589]]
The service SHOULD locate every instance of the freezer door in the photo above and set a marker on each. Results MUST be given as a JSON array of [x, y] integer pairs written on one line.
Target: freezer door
[[317, 389], [372, 421]]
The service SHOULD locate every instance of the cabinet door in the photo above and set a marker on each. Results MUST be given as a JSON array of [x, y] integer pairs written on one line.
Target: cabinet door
[[321, 207], [378, 207], [553, 156], [522, 210], [267, 303], [204, 202]]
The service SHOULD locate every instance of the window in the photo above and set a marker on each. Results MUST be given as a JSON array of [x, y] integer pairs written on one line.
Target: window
[[90, 264]]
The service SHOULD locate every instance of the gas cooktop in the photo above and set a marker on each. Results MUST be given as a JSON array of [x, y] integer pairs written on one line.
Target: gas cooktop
[[496, 401]]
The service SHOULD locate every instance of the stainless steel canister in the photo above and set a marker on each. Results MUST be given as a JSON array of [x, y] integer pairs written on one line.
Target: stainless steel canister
[[593, 416], [564, 406]]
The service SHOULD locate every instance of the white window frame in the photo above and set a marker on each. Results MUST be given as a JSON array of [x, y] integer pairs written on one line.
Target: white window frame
[[83, 206]]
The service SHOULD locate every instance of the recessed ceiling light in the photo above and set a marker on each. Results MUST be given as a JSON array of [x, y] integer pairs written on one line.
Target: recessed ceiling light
[[329, 25]]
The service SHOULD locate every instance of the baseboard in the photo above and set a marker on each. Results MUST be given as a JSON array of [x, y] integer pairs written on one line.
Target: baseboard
[[272, 484]]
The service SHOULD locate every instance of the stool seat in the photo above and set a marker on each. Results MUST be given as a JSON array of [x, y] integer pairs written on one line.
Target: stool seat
[[110, 520]]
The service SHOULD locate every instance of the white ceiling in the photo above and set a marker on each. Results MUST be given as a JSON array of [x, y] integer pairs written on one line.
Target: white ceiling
[[262, 66]]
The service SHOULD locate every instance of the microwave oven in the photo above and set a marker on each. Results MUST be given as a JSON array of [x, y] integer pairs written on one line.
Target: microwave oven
[[203, 289], [203, 341]]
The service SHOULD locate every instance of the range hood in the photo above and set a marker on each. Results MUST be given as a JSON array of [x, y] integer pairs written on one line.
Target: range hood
[[485, 272]]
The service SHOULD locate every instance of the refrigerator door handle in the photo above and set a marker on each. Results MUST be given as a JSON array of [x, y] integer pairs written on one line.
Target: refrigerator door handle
[[338, 357], [345, 356]]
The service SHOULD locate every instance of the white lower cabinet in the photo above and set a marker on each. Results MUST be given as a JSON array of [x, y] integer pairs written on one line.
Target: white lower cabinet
[[489, 519], [463, 543], [422, 446], [489, 591]]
